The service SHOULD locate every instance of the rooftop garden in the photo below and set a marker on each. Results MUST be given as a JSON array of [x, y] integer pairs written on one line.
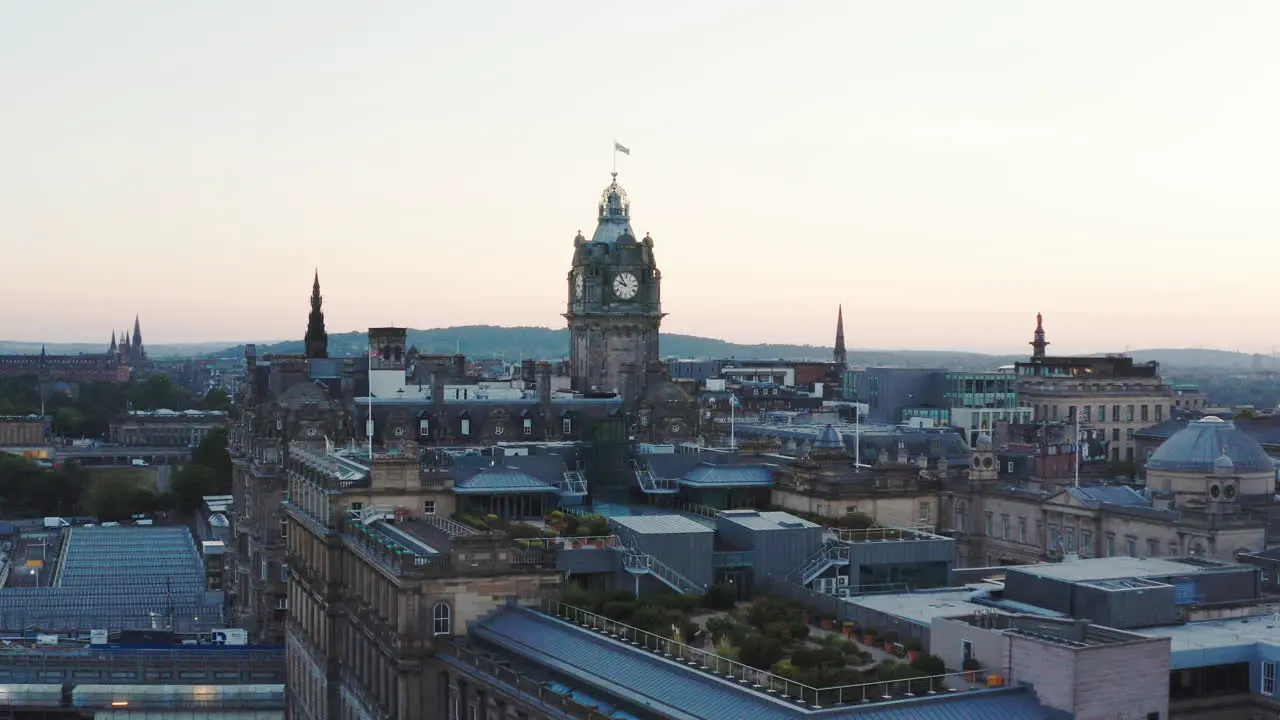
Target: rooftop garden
[[558, 524], [769, 634]]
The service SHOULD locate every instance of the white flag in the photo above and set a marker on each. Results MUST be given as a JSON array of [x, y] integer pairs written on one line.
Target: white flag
[[619, 147]]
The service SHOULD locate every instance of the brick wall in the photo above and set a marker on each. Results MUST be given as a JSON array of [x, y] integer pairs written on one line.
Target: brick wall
[[1048, 667]]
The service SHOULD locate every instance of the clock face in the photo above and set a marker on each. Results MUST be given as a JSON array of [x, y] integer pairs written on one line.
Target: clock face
[[626, 286], [578, 282], [311, 432]]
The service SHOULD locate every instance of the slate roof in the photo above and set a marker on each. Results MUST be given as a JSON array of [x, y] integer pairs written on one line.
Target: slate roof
[[672, 690], [1196, 447], [707, 475], [1109, 495]]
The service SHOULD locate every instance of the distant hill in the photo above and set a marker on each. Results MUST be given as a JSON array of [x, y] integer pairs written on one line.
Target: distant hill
[[515, 343]]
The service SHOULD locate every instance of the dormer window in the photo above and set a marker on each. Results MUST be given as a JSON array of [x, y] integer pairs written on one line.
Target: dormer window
[[566, 426], [464, 427]]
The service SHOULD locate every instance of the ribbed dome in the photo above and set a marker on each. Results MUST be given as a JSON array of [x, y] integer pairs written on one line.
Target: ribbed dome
[[984, 442], [829, 439], [1198, 447]]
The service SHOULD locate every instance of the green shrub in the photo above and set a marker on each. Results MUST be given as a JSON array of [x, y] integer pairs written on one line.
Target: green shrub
[[970, 664], [518, 531], [720, 596], [913, 644], [620, 610], [759, 651], [929, 665]]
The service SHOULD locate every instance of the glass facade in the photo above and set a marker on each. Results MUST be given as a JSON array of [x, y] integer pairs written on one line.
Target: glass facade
[[981, 390]]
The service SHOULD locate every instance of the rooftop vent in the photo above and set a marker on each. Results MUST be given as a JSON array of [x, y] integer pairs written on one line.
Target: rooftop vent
[[791, 523]]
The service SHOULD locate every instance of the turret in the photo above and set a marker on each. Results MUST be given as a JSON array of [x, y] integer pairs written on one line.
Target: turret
[[317, 339], [1038, 343]]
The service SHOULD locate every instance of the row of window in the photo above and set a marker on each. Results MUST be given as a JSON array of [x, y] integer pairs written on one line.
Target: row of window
[[1087, 415], [464, 427], [1064, 539]]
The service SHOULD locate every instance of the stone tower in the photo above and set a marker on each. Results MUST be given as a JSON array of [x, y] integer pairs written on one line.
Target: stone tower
[[985, 465], [317, 340], [1038, 343], [615, 299]]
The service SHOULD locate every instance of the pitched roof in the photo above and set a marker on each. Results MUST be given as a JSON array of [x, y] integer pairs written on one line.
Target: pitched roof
[[1109, 495], [501, 479], [708, 475], [670, 689]]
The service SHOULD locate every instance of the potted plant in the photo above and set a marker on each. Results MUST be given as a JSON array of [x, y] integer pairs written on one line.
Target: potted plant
[[869, 636], [828, 623], [914, 648], [850, 627], [808, 617], [971, 667], [890, 639]]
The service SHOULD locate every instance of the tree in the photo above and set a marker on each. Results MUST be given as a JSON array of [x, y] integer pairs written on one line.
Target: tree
[[212, 453], [216, 399], [114, 496], [191, 485]]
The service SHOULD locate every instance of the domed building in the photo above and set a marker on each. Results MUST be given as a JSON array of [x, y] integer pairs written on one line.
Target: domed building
[[1212, 462]]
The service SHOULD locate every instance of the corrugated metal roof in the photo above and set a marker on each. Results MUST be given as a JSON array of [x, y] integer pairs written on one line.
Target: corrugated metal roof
[[500, 479], [660, 524], [672, 690], [707, 475]]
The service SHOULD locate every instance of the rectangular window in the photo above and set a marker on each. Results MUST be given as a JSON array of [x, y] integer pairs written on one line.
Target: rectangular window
[[1071, 413], [1268, 678], [566, 426], [925, 510], [989, 526], [1111, 545], [966, 650], [1153, 548], [1022, 530], [429, 507], [1010, 466], [424, 427], [1115, 434], [284, 527], [1115, 413], [1102, 413], [1071, 539], [1144, 413], [262, 570], [284, 572], [466, 426], [528, 426], [1132, 546], [1159, 413], [1086, 543], [1088, 413], [1128, 413], [1173, 549]]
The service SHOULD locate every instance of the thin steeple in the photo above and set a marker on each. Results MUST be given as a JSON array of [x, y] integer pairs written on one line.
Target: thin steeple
[[840, 355], [317, 339], [112, 349]]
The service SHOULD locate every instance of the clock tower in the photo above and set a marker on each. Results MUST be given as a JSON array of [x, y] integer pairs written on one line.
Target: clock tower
[[615, 301]]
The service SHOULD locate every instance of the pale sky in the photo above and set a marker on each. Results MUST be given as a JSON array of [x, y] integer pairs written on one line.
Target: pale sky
[[945, 169]]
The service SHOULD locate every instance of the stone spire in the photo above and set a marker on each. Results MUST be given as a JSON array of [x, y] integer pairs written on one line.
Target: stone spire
[[1038, 344], [840, 355], [137, 333], [317, 340], [112, 349]]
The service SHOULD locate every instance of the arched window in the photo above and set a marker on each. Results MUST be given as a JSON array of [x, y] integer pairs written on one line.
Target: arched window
[[441, 620]]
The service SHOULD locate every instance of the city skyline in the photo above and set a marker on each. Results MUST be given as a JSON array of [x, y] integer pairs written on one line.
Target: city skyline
[[943, 172]]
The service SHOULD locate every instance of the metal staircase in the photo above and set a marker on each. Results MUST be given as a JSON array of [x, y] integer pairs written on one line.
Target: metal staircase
[[573, 482], [651, 484], [639, 563], [831, 554]]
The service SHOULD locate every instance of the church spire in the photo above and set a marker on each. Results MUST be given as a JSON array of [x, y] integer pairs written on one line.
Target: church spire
[[137, 332], [1038, 344], [112, 349], [317, 339], [840, 355]]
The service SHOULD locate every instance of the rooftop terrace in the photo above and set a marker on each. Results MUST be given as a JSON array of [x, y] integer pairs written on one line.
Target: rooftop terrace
[[679, 681]]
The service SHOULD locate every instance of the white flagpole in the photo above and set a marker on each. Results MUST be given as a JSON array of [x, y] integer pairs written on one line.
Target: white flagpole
[[857, 437], [1079, 446], [368, 426], [733, 406]]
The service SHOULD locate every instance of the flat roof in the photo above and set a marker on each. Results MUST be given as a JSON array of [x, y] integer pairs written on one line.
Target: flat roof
[[660, 524], [1204, 643], [1113, 568], [766, 520], [923, 607]]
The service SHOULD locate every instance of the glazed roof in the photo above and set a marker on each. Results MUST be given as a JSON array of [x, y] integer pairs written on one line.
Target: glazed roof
[[1197, 447]]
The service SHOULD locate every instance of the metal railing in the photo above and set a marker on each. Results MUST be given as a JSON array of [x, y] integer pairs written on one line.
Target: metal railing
[[766, 682], [573, 483], [570, 543], [523, 684], [900, 533], [638, 562], [651, 483], [50, 697], [452, 528]]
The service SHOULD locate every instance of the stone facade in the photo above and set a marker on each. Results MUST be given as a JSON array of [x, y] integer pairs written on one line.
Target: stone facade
[[614, 302]]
